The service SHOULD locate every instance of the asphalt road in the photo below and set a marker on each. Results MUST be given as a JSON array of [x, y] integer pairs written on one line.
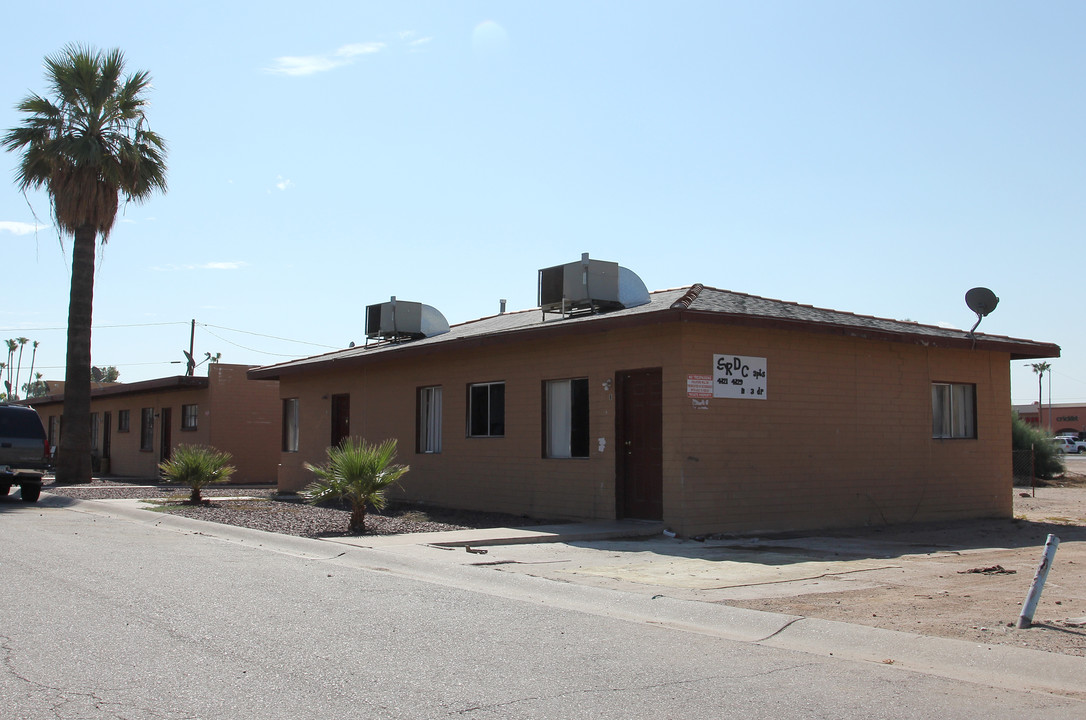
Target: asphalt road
[[110, 618]]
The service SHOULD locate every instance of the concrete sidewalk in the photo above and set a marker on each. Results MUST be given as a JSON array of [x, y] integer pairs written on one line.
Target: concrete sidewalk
[[598, 568]]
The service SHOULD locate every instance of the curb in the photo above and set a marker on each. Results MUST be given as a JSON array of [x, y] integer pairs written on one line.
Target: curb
[[1001, 666]]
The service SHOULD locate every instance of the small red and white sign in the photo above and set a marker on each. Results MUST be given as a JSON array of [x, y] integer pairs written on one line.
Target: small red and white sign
[[699, 386]]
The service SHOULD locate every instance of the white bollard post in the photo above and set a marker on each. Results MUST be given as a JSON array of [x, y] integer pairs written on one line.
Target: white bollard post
[[1025, 620]]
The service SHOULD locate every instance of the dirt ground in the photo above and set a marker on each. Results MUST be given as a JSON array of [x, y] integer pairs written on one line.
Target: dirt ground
[[962, 580]]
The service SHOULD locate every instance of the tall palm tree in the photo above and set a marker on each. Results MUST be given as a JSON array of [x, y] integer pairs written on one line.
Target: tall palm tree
[[10, 365], [33, 357], [86, 145], [19, 371], [1041, 368]]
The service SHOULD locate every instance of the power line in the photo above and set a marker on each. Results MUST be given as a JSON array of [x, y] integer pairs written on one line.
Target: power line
[[186, 322], [272, 337], [93, 327], [243, 347]]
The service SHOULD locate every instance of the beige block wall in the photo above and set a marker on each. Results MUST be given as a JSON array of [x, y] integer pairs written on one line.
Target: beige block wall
[[244, 418], [844, 437], [505, 474]]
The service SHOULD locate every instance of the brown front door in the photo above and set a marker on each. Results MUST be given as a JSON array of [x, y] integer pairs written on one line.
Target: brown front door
[[107, 424], [341, 418], [164, 447], [639, 467]]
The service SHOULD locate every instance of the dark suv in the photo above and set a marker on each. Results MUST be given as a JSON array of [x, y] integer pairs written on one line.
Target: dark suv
[[24, 451]]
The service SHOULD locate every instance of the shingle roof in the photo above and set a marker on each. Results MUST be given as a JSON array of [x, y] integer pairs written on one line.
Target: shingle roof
[[695, 303]]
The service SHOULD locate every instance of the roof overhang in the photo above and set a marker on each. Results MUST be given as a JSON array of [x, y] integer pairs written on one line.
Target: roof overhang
[[158, 385]]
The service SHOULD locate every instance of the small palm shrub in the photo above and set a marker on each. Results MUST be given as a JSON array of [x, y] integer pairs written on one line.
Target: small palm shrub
[[196, 466], [358, 473]]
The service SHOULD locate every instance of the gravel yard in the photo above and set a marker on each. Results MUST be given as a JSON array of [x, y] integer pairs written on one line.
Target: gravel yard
[[264, 509]]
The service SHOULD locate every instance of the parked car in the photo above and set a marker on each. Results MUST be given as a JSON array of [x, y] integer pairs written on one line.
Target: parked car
[[1080, 445], [24, 451], [1064, 445]]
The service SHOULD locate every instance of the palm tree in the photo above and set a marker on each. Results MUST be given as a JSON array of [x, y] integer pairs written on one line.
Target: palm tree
[[35, 386], [10, 365], [86, 146], [1041, 368], [33, 357], [22, 341], [359, 473], [196, 466]]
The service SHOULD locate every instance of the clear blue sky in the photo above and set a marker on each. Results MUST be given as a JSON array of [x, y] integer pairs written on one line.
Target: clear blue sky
[[874, 157]]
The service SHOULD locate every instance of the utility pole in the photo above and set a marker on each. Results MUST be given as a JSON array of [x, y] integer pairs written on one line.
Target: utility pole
[[191, 368]]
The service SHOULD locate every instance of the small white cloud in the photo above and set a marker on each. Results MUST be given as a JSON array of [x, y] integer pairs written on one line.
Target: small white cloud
[[283, 183], [417, 44], [215, 265], [356, 49], [296, 66], [21, 228]]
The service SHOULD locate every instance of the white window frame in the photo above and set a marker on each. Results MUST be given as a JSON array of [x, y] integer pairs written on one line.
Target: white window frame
[[430, 399], [953, 411]]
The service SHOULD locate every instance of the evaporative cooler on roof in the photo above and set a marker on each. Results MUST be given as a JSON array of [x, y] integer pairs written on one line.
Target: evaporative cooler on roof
[[589, 286], [398, 320]]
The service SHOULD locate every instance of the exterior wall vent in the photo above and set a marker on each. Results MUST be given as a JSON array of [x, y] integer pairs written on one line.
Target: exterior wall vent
[[589, 286], [398, 320]]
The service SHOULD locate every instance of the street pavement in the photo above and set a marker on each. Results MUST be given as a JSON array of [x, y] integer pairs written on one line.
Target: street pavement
[[998, 680]]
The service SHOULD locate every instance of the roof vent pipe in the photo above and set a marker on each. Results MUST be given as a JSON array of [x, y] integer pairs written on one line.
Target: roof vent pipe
[[502, 303]]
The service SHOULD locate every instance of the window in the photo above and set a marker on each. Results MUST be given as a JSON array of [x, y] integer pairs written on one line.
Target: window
[[189, 414], [486, 410], [429, 413], [566, 419], [953, 410], [290, 425], [147, 429], [122, 420]]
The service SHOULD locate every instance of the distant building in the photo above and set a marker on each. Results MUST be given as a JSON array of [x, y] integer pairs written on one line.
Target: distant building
[[1060, 418], [710, 410], [136, 425]]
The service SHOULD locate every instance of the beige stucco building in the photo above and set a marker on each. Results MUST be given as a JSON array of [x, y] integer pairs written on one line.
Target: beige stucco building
[[711, 410]]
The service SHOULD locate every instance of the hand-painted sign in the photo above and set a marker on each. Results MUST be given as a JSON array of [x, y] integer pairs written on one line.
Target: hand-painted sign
[[737, 376]]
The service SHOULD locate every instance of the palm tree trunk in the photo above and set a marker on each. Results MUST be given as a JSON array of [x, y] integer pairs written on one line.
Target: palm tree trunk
[[74, 453], [357, 524], [33, 357]]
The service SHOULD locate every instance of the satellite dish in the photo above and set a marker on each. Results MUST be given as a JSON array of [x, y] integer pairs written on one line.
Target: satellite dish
[[981, 300]]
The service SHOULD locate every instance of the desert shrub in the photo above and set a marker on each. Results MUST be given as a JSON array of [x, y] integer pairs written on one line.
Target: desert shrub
[[1047, 462]]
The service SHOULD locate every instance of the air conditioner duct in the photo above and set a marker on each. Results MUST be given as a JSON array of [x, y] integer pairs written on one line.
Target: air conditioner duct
[[589, 286], [403, 320]]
